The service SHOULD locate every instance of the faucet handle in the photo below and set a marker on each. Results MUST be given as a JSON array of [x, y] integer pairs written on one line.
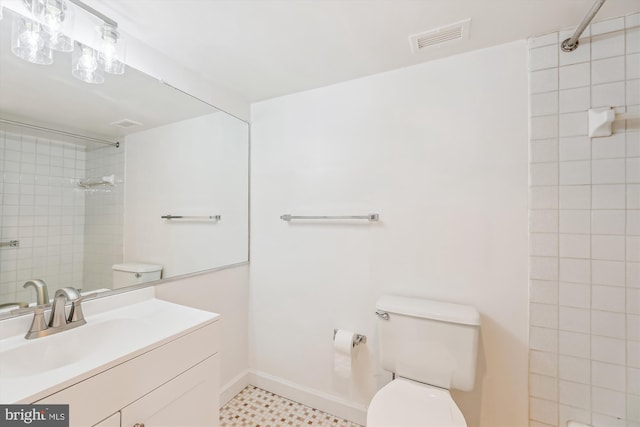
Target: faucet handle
[[38, 324]]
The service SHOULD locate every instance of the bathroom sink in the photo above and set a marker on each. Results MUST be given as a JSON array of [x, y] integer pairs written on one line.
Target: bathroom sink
[[31, 369]]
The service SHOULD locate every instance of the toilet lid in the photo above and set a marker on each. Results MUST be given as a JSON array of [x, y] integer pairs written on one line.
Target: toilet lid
[[408, 403]]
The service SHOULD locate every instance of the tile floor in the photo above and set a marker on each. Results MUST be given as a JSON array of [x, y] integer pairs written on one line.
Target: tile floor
[[254, 407]]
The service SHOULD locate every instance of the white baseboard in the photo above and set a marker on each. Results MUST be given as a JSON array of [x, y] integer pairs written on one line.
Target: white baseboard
[[316, 399], [233, 387]]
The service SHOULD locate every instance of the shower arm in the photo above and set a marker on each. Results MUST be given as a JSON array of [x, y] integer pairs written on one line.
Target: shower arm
[[571, 44]]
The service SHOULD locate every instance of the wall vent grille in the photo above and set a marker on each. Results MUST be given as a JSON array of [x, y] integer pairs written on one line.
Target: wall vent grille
[[126, 123], [437, 37]]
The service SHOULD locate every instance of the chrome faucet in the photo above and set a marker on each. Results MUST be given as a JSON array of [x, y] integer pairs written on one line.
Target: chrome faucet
[[59, 320], [42, 295]]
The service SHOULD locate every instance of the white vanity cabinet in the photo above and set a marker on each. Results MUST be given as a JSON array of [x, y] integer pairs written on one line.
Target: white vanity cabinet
[[175, 384]]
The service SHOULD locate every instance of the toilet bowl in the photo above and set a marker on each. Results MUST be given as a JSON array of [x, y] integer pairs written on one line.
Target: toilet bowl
[[409, 403]]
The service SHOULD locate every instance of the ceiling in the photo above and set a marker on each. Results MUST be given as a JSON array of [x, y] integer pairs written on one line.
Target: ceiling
[[262, 49]]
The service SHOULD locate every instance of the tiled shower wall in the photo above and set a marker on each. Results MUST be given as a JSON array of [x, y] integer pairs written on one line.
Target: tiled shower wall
[[585, 229], [43, 208], [69, 236]]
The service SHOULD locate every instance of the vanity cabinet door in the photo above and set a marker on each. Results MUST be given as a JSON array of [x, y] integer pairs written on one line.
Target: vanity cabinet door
[[189, 400], [112, 421]]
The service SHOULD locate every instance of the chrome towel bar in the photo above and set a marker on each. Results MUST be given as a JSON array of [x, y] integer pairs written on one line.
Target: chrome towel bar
[[201, 218], [370, 217]]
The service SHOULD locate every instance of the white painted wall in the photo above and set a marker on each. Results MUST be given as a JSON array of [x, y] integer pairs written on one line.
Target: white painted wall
[[195, 167], [226, 292], [439, 150]]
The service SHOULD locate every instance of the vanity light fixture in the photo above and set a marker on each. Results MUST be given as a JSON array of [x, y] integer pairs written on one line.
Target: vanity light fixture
[[40, 26]]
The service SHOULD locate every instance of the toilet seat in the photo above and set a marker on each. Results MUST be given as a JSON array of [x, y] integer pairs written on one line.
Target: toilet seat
[[408, 403]]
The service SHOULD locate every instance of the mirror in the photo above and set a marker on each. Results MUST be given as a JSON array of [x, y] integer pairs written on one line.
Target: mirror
[[74, 205]]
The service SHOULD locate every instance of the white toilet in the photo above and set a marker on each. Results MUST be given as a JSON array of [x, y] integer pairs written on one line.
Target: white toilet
[[134, 274], [430, 347]]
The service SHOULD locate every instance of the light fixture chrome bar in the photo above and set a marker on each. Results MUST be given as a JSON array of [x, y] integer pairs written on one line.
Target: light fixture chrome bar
[[370, 217], [10, 244], [95, 13], [59, 132], [571, 44], [202, 217]]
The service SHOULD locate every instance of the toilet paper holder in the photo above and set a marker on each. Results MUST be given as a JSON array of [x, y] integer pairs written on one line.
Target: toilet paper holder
[[357, 339]]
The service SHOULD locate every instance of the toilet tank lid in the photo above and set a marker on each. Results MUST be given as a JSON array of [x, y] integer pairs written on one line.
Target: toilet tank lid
[[429, 309], [137, 268]]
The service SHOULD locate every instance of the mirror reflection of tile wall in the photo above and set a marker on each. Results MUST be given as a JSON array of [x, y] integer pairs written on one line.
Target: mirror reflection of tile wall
[[54, 219]]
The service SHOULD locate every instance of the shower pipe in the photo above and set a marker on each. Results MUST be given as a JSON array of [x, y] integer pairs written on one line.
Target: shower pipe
[[59, 132], [571, 44]]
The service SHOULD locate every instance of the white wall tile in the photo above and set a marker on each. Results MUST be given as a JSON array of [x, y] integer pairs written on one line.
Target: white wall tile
[[569, 413], [575, 221], [608, 222], [543, 80], [608, 70], [633, 66], [543, 291], [575, 197], [575, 270], [543, 363], [574, 295], [543, 221], [543, 244], [633, 248], [633, 411], [633, 40], [575, 245], [610, 350], [574, 320], [543, 339], [544, 315], [575, 394], [608, 324], [543, 268], [608, 272], [572, 100], [582, 54], [543, 410], [607, 45], [633, 381], [543, 174], [605, 247], [633, 170], [573, 124], [608, 95], [633, 92], [543, 104], [609, 147], [608, 298], [544, 151], [609, 402], [543, 198], [545, 40], [543, 386], [574, 344], [571, 76], [608, 171], [633, 222], [633, 274], [544, 127], [543, 57], [575, 148], [575, 172], [574, 369], [608, 197], [607, 26], [632, 20], [633, 353], [633, 196]]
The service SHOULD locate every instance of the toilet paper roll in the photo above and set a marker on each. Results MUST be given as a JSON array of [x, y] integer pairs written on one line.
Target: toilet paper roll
[[343, 352]]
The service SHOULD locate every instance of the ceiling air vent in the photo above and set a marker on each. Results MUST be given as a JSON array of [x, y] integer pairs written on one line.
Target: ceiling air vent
[[440, 36], [126, 123]]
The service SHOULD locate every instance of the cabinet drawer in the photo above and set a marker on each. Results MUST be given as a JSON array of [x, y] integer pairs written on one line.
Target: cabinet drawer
[[100, 396]]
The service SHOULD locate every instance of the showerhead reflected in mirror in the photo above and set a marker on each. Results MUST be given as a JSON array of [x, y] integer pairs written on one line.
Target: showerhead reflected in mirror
[[88, 171]]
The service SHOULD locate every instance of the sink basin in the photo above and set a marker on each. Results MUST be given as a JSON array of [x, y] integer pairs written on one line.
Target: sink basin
[[30, 369]]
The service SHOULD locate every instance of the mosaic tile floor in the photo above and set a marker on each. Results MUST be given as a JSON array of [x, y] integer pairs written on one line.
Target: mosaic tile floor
[[254, 407]]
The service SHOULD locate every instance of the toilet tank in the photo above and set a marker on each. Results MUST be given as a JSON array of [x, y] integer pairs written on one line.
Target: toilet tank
[[429, 341], [134, 274]]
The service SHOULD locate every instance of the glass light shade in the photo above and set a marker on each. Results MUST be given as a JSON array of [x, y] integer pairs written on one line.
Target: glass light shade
[[30, 42], [57, 20], [86, 64], [112, 49]]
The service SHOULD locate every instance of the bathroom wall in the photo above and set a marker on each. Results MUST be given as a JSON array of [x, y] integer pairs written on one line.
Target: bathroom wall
[[195, 167], [439, 150], [584, 229], [104, 217], [43, 208]]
